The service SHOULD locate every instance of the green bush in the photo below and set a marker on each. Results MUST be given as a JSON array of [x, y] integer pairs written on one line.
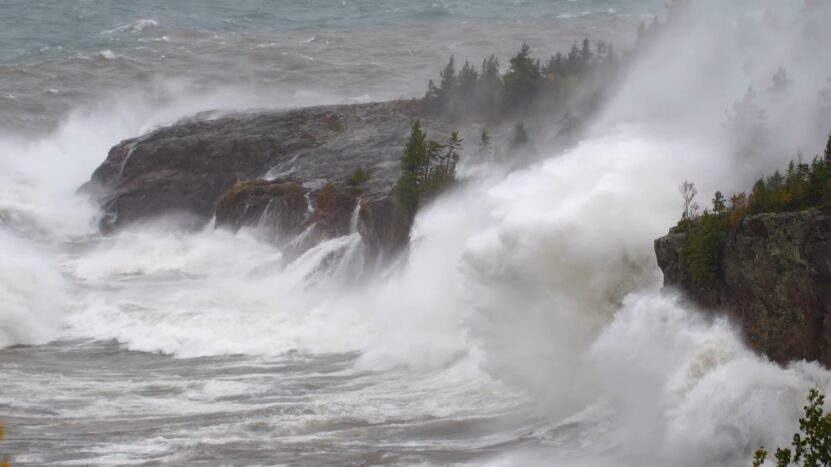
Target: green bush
[[811, 447], [703, 253], [358, 177]]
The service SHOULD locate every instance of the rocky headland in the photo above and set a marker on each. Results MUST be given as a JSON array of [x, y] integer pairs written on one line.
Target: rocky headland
[[285, 173], [773, 279]]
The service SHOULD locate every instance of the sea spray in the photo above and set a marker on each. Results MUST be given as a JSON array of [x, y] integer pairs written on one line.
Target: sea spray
[[32, 294]]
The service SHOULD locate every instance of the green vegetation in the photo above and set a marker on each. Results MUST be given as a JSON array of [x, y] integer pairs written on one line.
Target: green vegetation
[[811, 447], [358, 177], [427, 168], [804, 186], [526, 86]]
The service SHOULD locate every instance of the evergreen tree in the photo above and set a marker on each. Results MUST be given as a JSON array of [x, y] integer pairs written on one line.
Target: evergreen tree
[[489, 89], [522, 79], [468, 76], [555, 66], [828, 152], [718, 203], [467, 80], [358, 177], [432, 100], [585, 55], [413, 161], [448, 83], [451, 159]]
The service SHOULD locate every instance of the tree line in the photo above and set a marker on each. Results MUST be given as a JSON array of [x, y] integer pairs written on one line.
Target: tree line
[[528, 85], [804, 185]]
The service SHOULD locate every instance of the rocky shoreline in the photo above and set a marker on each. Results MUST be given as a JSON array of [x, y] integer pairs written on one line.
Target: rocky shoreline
[[283, 172], [773, 280]]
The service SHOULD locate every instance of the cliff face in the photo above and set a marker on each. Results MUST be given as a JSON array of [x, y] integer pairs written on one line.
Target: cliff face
[[774, 281], [282, 171]]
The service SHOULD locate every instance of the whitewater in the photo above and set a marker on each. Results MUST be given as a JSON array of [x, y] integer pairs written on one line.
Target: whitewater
[[526, 326]]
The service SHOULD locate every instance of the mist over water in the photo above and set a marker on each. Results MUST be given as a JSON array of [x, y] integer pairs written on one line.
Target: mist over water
[[526, 327]]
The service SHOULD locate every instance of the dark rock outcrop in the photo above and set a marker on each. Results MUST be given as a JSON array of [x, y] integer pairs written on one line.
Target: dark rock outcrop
[[188, 166], [333, 213], [279, 206], [284, 171], [384, 227], [774, 281]]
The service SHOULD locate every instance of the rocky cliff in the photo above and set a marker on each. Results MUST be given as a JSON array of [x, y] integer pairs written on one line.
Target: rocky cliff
[[773, 280], [282, 171]]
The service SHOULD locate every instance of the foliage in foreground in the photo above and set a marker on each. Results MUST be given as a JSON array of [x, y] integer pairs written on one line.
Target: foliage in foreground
[[811, 447]]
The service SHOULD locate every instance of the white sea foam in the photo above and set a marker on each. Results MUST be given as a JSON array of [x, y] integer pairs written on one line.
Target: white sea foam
[[134, 27], [544, 280]]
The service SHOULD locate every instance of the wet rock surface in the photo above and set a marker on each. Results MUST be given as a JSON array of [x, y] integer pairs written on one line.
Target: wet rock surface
[[284, 171], [774, 281]]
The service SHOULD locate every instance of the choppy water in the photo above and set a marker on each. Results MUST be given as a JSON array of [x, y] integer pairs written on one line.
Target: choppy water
[[57, 56], [527, 328]]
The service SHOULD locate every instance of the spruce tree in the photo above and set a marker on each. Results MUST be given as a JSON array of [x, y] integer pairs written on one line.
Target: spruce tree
[[828, 152], [468, 76], [448, 83], [489, 89], [413, 161], [522, 80]]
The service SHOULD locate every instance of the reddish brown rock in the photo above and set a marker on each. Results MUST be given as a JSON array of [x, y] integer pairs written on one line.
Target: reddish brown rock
[[774, 281], [384, 227], [279, 206]]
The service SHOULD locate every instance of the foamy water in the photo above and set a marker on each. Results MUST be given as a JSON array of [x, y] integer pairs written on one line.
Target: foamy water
[[527, 326]]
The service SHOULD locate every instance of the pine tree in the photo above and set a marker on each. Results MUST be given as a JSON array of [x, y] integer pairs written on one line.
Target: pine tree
[[468, 76], [454, 147], [585, 55], [718, 203], [413, 161], [489, 89], [522, 80], [828, 152], [432, 99], [447, 84], [467, 80]]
